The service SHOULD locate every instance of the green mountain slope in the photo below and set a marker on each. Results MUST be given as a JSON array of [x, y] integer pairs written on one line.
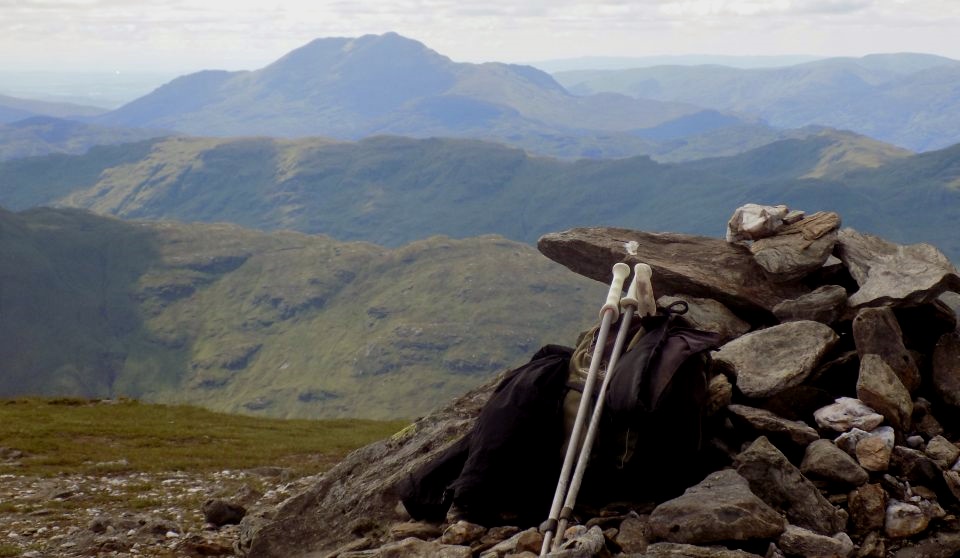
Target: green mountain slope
[[281, 324], [909, 100], [392, 191], [43, 135], [350, 88]]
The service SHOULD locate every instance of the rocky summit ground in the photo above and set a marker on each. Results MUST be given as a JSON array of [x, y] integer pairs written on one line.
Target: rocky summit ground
[[129, 514]]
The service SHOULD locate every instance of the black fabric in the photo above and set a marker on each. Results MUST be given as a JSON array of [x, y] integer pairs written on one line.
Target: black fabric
[[505, 469], [651, 433]]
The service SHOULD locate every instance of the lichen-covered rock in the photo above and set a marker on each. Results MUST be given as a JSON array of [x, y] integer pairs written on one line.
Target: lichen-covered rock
[[719, 508], [768, 361]]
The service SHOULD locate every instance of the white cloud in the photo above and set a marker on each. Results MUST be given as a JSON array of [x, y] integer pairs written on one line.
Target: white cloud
[[187, 35]]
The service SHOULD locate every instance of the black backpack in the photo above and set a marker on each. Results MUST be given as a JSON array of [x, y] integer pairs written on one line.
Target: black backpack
[[652, 433]]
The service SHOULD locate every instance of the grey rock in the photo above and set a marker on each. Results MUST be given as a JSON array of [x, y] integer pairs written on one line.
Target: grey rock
[[719, 394], [678, 550], [415, 529], [880, 389], [946, 368], [634, 534], [825, 461], [361, 487], [581, 543], [873, 546], [891, 274], [220, 512], [769, 424], [825, 304], [874, 451], [768, 361], [719, 508], [414, 548], [797, 249], [797, 541], [876, 331], [848, 440], [952, 480], [695, 265], [462, 532], [915, 467], [708, 315], [867, 507], [781, 485], [940, 545], [915, 442], [904, 520], [942, 451], [846, 414], [520, 542]]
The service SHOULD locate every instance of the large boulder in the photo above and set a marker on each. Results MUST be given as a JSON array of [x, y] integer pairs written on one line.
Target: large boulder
[[946, 368], [720, 508], [695, 265], [824, 304], [894, 275], [708, 315], [358, 495], [768, 361], [880, 389]]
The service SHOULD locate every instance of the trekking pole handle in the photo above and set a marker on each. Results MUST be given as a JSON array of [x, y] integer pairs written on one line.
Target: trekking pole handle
[[641, 294], [620, 273]]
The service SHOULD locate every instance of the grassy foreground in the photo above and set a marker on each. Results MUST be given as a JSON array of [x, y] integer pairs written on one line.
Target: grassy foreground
[[101, 437]]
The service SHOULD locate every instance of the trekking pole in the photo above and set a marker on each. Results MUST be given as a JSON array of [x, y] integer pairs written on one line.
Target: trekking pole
[[608, 314], [640, 286]]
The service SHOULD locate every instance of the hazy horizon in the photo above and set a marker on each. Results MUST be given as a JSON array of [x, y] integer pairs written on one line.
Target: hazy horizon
[[176, 37]]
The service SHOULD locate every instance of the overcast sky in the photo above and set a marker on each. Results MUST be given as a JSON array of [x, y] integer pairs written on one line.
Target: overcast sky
[[180, 36]]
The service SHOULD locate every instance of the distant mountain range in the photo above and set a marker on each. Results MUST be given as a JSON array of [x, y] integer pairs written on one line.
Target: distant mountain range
[[42, 135], [280, 324], [386, 84], [392, 190], [910, 100], [13, 109]]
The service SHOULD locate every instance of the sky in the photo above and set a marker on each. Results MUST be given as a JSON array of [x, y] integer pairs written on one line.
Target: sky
[[177, 36]]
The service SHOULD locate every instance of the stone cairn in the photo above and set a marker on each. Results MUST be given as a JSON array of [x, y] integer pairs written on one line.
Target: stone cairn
[[835, 400]]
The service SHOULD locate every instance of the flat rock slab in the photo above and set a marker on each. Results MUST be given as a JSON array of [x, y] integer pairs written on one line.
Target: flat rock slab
[[676, 550], [781, 485], [771, 424], [892, 274], [825, 304], [799, 248], [695, 265], [719, 508], [768, 361]]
